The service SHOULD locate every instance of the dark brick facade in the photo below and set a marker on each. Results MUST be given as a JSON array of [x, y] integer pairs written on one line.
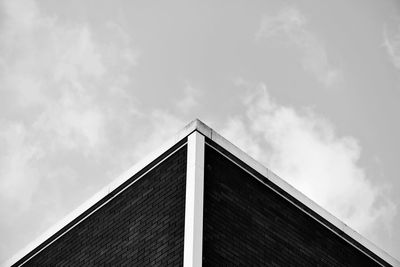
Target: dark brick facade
[[142, 226], [247, 221], [248, 224]]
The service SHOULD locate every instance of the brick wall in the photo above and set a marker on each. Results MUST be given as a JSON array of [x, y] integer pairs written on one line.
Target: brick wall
[[248, 224], [142, 226]]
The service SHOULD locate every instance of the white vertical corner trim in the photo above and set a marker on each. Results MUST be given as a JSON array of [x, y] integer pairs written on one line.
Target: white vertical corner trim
[[193, 242]]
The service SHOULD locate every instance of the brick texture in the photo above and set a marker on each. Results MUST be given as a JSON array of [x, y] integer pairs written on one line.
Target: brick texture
[[248, 224], [143, 226]]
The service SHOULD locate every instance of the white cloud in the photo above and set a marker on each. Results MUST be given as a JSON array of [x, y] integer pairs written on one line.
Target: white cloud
[[391, 41], [304, 149], [292, 24], [189, 99], [163, 125], [64, 87], [16, 162], [64, 101]]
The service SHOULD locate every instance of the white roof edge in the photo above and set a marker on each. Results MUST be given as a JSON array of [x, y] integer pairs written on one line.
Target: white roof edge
[[221, 141], [241, 155], [192, 126]]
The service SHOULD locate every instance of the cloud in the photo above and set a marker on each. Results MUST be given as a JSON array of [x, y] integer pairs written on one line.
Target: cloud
[[291, 24], [189, 100], [16, 162], [304, 149], [391, 41], [69, 115], [163, 126], [59, 89]]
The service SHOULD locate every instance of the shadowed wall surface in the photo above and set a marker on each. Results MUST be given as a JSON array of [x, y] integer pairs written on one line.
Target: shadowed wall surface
[[248, 224], [142, 226]]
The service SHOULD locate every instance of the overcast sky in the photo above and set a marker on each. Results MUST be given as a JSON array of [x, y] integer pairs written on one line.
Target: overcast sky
[[311, 89]]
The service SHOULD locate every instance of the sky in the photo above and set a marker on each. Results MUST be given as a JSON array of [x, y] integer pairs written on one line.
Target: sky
[[309, 89]]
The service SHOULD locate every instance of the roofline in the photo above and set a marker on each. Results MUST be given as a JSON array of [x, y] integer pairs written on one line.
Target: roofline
[[197, 125], [191, 127], [274, 178]]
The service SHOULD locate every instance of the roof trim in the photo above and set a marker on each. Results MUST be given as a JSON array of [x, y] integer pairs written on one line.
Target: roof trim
[[104, 192], [267, 173], [197, 125], [295, 202]]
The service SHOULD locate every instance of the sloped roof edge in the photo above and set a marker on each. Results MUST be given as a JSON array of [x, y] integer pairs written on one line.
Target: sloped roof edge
[[270, 175], [105, 191], [197, 125]]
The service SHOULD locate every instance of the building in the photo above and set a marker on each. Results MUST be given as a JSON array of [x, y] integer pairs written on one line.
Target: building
[[199, 200]]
